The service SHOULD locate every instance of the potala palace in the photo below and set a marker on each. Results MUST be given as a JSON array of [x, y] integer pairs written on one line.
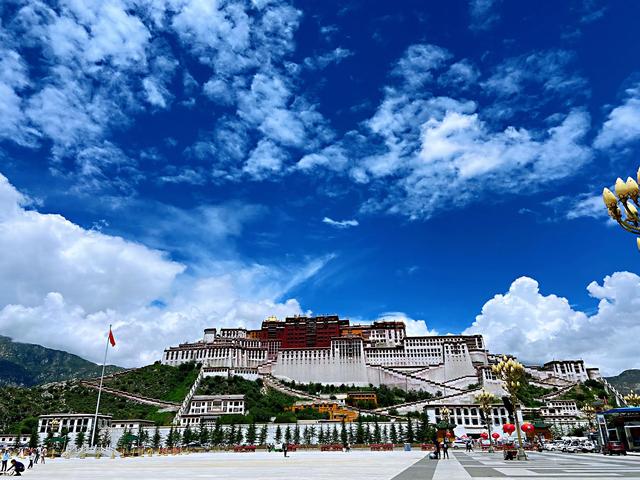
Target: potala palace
[[453, 369], [329, 350]]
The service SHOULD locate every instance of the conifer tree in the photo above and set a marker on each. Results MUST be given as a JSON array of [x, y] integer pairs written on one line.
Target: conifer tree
[[335, 437], [278, 436], [251, 434], [377, 435], [263, 435], [344, 436], [231, 435], [239, 436], [287, 435], [393, 434], [157, 439], [203, 435], [409, 435], [360, 433], [296, 435], [321, 436]]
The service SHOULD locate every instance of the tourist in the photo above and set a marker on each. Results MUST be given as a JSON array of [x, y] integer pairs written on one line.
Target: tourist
[[445, 449], [347, 447], [437, 451], [43, 455], [32, 457], [37, 455], [469, 446], [17, 467], [5, 459], [285, 447]]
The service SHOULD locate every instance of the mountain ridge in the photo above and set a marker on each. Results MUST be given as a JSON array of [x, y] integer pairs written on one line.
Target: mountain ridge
[[28, 364]]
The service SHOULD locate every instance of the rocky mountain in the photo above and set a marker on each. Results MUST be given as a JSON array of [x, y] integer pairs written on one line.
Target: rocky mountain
[[626, 381], [26, 364]]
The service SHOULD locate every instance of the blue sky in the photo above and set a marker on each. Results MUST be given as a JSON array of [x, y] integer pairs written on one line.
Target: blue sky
[[406, 159]]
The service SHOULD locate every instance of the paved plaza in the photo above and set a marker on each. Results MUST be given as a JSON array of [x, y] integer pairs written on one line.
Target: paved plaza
[[341, 466]]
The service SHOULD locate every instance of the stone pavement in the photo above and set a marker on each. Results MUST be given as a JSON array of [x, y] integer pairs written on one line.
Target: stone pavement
[[548, 466], [355, 465]]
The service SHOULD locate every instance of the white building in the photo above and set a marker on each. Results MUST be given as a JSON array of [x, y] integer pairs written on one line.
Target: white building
[[207, 408], [72, 423]]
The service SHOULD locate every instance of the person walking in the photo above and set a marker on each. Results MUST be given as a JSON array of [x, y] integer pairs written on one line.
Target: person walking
[[445, 450], [285, 447], [32, 457], [437, 452], [37, 455], [43, 455], [5, 460]]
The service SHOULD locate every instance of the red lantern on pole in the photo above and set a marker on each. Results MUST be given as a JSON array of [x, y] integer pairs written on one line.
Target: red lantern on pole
[[508, 428], [484, 435], [527, 427], [495, 435], [449, 434]]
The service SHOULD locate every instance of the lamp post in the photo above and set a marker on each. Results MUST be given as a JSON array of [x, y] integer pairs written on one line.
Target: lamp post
[[626, 195], [632, 399], [485, 400], [512, 374], [446, 413]]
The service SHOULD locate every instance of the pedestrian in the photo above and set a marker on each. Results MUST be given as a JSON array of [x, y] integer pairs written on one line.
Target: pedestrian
[[5, 460], [445, 449], [43, 455], [469, 446], [17, 467], [437, 452], [32, 457], [37, 452], [285, 447], [347, 447]]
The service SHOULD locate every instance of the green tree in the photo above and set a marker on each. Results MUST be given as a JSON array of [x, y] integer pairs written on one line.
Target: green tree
[[263, 435], [34, 439], [367, 434], [287, 434], [360, 433], [335, 437], [251, 434], [203, 435], [187, 436], [170, 439], [385, 434], [278, 436], [352, 437], [409, 435], [321, 435], [344, 437], [393, 434], [231, 435], [157, 439], [80, 438], [217, 435], [296, 435], [377, 434], [400, 433], [239, 436]]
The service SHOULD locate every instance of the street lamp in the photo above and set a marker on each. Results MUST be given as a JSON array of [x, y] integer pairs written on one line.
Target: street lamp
[[512, 374], [627, 195], [485, 400], [633, 399]]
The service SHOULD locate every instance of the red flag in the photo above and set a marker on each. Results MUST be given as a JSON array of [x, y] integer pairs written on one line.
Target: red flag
[[112, 340]]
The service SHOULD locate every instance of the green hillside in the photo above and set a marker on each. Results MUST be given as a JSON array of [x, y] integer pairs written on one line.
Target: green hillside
[[25, 364], [20, 407], [626, 381]]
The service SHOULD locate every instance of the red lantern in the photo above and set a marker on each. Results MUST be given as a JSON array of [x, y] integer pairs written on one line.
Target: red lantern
[[449, 434], [495, 435], [508, 428], [484, 435], [527, 428]]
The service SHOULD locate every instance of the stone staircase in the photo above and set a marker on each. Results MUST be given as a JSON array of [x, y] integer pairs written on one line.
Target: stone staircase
[[187, 399], [427, 383], [164, 404]]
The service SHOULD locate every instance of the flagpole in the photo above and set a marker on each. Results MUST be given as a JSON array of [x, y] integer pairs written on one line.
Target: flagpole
[[95, 419]]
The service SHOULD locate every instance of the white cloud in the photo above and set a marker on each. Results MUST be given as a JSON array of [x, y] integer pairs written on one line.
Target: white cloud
[[483, 14], [265, 161], [340, 223], [584, 205], [622, 126], [540, 328], [336, 56], [67, 284], [419, 62]]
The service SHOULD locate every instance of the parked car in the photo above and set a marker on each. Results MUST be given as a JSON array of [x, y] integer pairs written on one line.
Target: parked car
[[614, 448], [459, 444]]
